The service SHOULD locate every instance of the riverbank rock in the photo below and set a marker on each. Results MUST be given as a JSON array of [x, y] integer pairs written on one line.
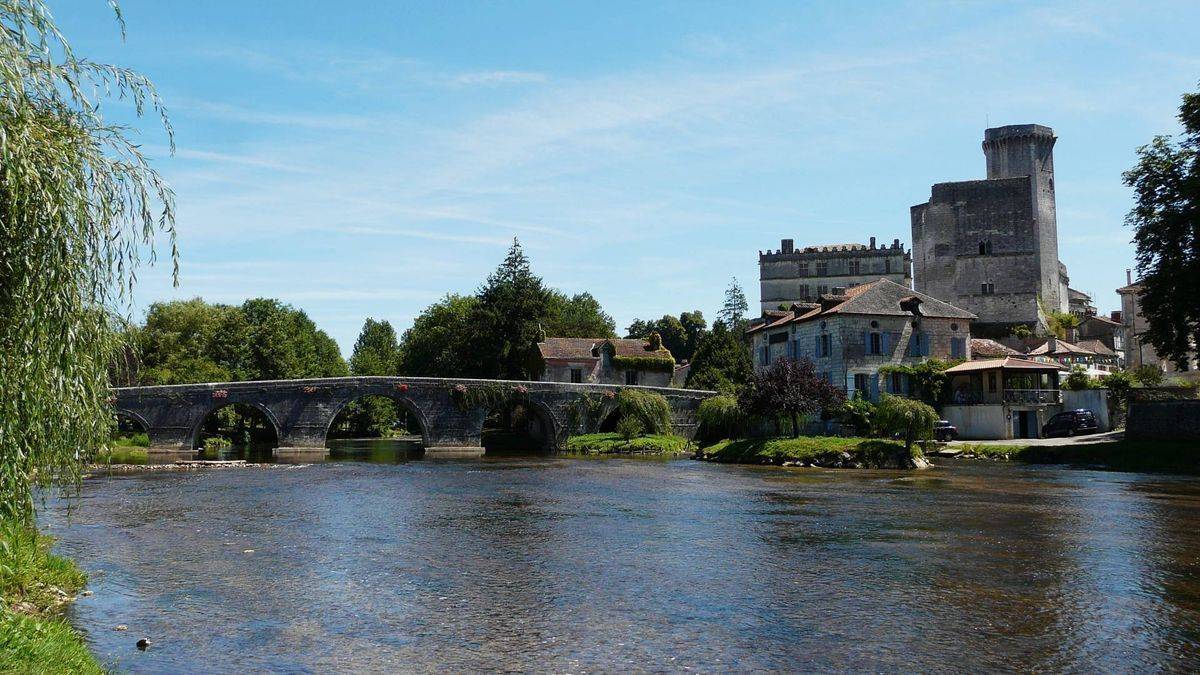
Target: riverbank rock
[[143, 644]]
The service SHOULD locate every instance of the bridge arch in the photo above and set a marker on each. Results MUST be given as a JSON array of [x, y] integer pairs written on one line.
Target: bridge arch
[[132, 416], [534, 417], [194, 438], [405, 403]]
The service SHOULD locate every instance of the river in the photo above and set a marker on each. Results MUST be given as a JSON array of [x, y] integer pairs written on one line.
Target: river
[[371, 563]]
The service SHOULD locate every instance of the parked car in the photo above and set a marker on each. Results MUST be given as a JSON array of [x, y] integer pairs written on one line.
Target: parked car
[[1071, 423], [944, 432]]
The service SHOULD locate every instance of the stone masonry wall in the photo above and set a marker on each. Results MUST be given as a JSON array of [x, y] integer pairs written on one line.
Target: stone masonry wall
[[1163, 420]]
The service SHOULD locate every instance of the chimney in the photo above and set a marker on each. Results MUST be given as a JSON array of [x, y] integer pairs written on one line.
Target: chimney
[[1051, 345], [895, 243], [1117, 316], [872, 243], [1128, 277], [787, 245], [839, 290]]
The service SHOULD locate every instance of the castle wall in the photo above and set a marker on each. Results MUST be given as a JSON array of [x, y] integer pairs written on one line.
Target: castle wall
[[788, 277]]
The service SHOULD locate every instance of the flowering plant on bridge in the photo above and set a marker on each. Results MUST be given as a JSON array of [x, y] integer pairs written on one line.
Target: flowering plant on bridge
[[220, 393], [520, 392], [401, 387], [310, 389]]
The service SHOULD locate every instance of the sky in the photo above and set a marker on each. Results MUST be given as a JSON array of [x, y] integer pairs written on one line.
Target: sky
[[363, 159]]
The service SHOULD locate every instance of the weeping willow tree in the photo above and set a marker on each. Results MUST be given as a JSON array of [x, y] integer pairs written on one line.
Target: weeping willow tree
[[80, 208]]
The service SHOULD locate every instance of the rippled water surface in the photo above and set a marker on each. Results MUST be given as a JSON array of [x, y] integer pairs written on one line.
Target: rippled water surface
[[568, 564]]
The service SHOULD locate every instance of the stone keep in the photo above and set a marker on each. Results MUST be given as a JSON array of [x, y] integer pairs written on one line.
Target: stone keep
[[991, 246]]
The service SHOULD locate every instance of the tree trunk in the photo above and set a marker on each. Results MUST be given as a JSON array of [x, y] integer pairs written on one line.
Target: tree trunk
[[795, 425], [908, 435]]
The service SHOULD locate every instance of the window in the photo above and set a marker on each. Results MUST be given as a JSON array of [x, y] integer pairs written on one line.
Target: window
[[764, 356], [992, 383], [987, 289], [854, 266], [958, 348], [577, 375], [822, 268], [860, 384], [876, 344], [897, 383], [887, 265], [803, 269], [631, 377], [918, 344], [804, 292], [822, 345]]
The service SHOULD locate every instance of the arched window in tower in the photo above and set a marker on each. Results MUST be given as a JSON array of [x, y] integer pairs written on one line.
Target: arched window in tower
[[985, 247]]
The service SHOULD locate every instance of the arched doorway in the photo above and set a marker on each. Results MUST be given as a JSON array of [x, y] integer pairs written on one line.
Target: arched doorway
[[236, 431], [376, 428], [518, 427]]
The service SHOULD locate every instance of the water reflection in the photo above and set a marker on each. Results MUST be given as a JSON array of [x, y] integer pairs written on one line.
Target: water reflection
[[374, 562]]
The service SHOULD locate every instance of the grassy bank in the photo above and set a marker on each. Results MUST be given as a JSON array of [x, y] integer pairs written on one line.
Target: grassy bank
[[1123, 455], [831, 451], [35, 587], [611, 443]]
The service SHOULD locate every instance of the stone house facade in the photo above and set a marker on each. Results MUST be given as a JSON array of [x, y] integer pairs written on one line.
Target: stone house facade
[[1110, 331], [852, 335], [789, 275], [606, 361], [1139, 352], [1093, 356]]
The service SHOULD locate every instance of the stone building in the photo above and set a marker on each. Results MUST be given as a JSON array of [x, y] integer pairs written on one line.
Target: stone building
[[1093, 356], [850, 335], [1109, 331], [789, 275], [991, 246], [1003, 398], [1139, 352], [606, 361]]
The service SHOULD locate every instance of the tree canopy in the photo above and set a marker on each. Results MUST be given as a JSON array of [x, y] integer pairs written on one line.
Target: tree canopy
[[579, 315], [186, 341], [791, 388], [1166, 222], [79, 207], [439, 342], [680, 335], [721, 362], [376, 352]]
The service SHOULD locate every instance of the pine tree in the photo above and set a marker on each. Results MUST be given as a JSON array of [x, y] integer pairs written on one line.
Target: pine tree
[[507, 323], [733, 312]]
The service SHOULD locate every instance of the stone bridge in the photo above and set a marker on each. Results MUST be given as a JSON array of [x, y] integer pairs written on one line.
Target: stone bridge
[[451, 412]]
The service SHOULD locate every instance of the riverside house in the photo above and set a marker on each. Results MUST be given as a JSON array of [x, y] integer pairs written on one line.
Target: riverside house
[[606, 361], [1003, 398], [852, 333]]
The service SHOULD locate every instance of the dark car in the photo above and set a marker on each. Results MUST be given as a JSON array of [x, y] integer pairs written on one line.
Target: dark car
[[944, 432], [1071, 423]]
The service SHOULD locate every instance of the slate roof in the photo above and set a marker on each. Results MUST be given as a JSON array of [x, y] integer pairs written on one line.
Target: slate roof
[[1008, 363], [578, 349], [882, 297], [1102, 319], [983, 347]]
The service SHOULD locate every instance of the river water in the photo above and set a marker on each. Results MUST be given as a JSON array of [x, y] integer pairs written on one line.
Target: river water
[[370, 563]]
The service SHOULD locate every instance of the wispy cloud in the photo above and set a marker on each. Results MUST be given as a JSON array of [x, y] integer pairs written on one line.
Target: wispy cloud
[[493, 78]]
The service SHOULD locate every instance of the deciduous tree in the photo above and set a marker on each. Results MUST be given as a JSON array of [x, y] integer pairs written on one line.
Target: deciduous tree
[[1166, 222], [791, 388]]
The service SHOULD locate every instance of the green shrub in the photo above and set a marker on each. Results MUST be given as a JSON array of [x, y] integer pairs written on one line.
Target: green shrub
[[859, 413], [629, 428], [613, 443], [649, 408], [720, 417], [1078, 380], [214, 443]]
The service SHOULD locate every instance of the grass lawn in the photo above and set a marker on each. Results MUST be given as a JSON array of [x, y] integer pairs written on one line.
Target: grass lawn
[[820, 450], [1123, 455], [35, 585], [130, 454], [613, 443]]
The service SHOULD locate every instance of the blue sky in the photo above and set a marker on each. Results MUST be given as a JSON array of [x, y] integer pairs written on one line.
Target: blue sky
[[363, 159]]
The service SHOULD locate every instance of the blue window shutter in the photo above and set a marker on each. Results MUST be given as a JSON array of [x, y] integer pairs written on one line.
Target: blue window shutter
[[817, 345], [886, 340], [866, 342]]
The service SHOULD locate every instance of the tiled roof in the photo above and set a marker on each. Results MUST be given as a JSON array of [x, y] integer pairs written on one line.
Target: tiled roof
[[1102, 319], [983, 347], [583, 348], [1097, 347], [882, 297], [1061, 347], [1008, 363]]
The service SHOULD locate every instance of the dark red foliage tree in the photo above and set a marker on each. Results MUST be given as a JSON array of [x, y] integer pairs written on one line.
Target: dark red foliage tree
[[789, 387]]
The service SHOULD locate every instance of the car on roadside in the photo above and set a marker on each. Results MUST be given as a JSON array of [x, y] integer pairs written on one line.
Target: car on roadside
[[944, 431], [1071, 423]]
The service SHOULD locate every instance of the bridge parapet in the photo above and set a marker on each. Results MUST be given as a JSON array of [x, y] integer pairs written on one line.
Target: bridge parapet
[[450, 415]]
